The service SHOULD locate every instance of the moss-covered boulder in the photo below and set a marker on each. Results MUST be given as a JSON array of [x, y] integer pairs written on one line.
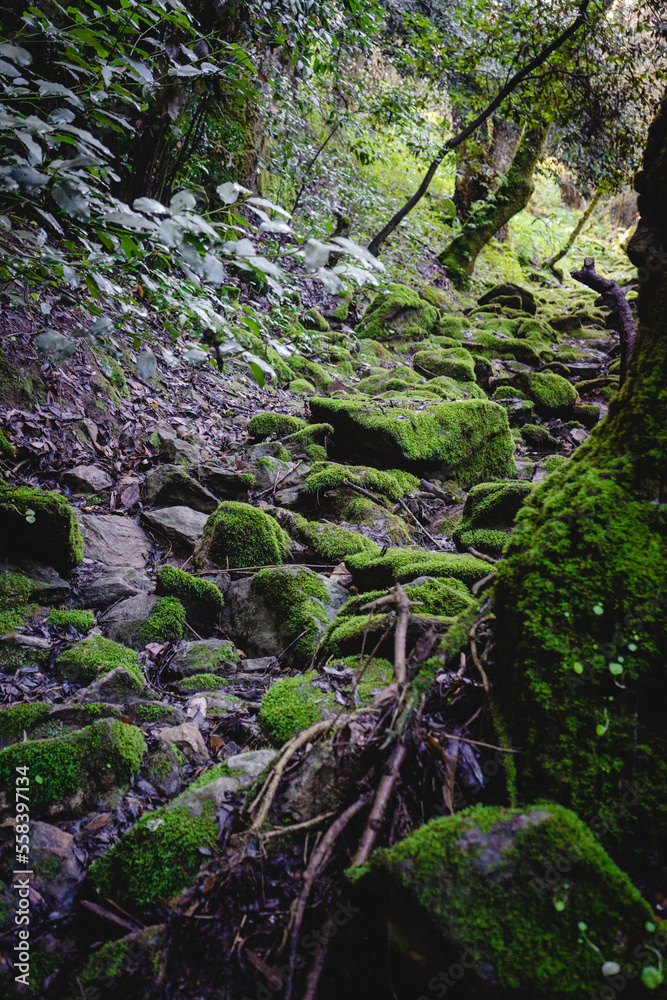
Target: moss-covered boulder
[[470, 438], [398, 314], [538, 438], [510, 290], [327, 543], [202, 600], [456, 363], [508, 902], [396, 378], [292, 704], [240, 535], [405, 565], [115, 969], [283, 611], [89, 659], [270, 424], [207, 656], [69, 774], [552, 394], [392, 484], [38, 524]]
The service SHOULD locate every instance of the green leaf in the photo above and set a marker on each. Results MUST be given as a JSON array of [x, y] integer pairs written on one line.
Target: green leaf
[[70, 200], [257, 373]]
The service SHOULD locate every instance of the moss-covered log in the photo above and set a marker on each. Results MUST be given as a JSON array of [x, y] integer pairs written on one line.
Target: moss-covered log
[[580, 597], [513, 194]]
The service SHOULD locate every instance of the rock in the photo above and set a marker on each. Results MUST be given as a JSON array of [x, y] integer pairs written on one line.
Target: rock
[[398, 314], [456, 363], [269, 424], [69, 774], [283, 611], [132, 609], [552, 394], [88, 659], [162, 769], [211, 656], [240, 535], [202, 599], [176, 449], [469, 439], [291, 705], [40, 720], [510, 290], [52, 535], [112, 587], [488, 516], [115, 969], [117, 687], [180, 525], [578, 435], [538, 437], [227, 484], [47, 586], [188, 739], [171, 486], [115, 541], [160, 854], [55, 864], [403, 565], [250, 764], [504, 898], [87, 479]]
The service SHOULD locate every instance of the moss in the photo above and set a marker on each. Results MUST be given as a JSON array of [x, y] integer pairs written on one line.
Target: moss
[[359, 510], [437, 597], [245, 536], [314, 320], [396, 378], [289, 706], [302, 387], [177, 583], [536, 330], [398, 313], [157, 857], [117, 964], [106, 753], [6, 447], [551, 393], [456, 363], [449, 326], [353, 633], [392, 485], [482, 880], [117, 376], [264, 425], [471, 438], [15, 719], [331, 542], [404, 565], [494, 505], [553, 462], [450, 390], [153, 713], [309, 435], [490, 346], [89, 659], [166, 622], [508, 392], [15, 588], [485, 540], [82, 621], [296, 599], [369, 682], [310, 370], [538, 437], [54, 537], [201, 682]]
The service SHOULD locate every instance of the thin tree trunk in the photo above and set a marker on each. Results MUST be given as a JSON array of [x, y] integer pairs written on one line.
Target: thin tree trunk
[[461, 136], [585, 216], [513, 194]]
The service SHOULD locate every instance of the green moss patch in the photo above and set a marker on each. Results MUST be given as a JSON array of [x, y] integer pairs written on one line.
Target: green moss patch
[[290, 705], [399, 313], [456, 363], [245, 536], [89, 659], [268, 424], [297, 600], [404, 565], [330, 542], [166, 622], [82, 621]]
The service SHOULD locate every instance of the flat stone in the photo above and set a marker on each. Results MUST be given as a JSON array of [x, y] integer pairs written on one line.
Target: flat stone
[[188, 739], [215, 794], [115, 541], [171, 486], [227, 484], [87, 479], [132, 609], [112, 587], [48, 587], [208, 656], [114, 688], [180, 525], [251, 763]]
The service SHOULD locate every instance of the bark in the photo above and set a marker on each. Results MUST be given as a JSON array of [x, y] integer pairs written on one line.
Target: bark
[[513, 194], [479, 167], [613, 294]]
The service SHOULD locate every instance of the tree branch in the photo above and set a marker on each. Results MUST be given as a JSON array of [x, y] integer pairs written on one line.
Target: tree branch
[[622, 314], [461, 136]]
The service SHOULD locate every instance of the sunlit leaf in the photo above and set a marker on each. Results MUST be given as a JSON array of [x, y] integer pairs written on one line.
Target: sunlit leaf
[[71, 200], [149, 205], [146, 363], [47, 88], [15, 53], [230, 191], [183, 200], [265, 203]]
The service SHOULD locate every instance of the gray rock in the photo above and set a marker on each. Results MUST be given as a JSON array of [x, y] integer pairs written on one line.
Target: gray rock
[[116, 687], [180, 525], [112, 587], [214, 794], [176, 448], [210, 656], [251, 763], [226, 484], [171, 486], [133, 609], [48, 587], [55, 864], [115, 541], [163, 770], [188, 739], [86, 479]]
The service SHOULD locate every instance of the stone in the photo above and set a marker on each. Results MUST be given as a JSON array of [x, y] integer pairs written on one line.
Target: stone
[[162, 769], [227, 484], [55, 864], [39, 524], [87, 479], [117, 687], [132, 609], [48, 587], [115, 541], [510, 290], [177, 449], [187, 738], [521, 902], [112, 587], [171, 486], [209, 656], [181, 525], [251, 763]]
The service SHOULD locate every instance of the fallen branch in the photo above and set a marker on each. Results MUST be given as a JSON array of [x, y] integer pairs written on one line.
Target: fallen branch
[[482, 555], [306, 825], [379, 806], [622, 314], [401, 636]]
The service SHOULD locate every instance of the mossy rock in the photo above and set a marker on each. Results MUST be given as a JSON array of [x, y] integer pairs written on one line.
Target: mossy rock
[[398, 377], [268, 424], [447, 597], [312, 371], [302, 387], [456, 363], [159, 856], [520, 902], [552, 394], [510, 290], [489, 541], [330, 542], [80, 621], [291, 705], [536, 330], [450, 390], [89, 659], [201, 682], [471, 438], [450, 326], [53, 537], [490, 346], [6, 447], [539, 438], [69, 774], [392, 484], [115, 969], [207, 656], [405, 565], [166, 622], [240, 535], [202, 600], [314, 320], [397, 314], [494, 505]]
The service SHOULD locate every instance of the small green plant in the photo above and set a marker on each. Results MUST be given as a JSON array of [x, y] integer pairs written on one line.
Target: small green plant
[[82, 621]]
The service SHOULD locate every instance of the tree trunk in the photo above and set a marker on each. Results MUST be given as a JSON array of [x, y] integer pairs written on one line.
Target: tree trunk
[[513, 194], [580, 600]]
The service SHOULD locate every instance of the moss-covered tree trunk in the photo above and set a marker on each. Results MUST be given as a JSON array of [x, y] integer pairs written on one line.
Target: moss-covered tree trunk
[[581, 597], [513, 194]]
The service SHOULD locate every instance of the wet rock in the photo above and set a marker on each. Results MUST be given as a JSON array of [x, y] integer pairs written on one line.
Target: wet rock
[[181, 525], [136, 608], [87, 479], [115, 541], [171, 486], [55, 864]]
